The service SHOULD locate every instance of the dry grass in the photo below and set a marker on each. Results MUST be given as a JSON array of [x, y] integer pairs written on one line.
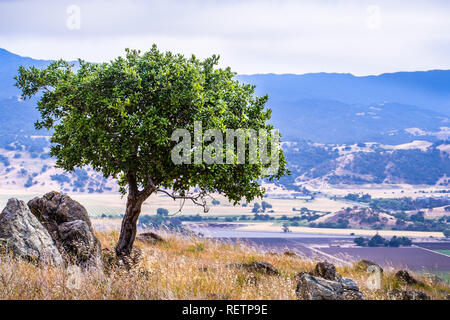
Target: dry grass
[[180, 268]]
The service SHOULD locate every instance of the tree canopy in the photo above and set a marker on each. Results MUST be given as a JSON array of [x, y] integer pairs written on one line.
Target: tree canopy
[[118, 117]]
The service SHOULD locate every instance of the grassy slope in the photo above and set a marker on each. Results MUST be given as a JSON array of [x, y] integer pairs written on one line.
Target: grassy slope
[[175, 270]]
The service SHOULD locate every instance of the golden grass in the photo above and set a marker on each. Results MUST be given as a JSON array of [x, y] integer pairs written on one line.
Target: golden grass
[[181, 268]]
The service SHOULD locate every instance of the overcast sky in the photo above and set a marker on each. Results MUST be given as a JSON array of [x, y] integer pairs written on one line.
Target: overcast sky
[[252, 36]]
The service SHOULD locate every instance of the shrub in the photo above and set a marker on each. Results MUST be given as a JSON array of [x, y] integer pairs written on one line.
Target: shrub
[[162, 212], [60, 178], [377, 241], [256, 207], [265, 205], [361, 241]]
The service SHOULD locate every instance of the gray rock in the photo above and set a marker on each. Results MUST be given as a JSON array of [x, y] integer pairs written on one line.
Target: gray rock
[[24, 236], [150, 238], [263, 267], [257, 266], [408, 295], [299, 275], [314, 288], [368, 263], [78, 240], [69, 225], [404, 276], [327, 271], [349, 284]]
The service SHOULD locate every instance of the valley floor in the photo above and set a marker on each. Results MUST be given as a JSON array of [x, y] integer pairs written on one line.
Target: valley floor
[[271, 227]]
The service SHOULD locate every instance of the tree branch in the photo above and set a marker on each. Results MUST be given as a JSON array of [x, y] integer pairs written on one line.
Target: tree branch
[[198, 199]]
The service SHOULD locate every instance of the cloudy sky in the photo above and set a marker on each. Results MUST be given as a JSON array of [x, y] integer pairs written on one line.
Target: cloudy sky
[[252, 36]]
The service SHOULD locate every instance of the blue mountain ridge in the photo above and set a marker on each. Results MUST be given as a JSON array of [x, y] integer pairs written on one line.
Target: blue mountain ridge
[[321, 107]]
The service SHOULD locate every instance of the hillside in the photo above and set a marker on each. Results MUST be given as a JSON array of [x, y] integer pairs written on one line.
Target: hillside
[[420, 162], [25, 164]]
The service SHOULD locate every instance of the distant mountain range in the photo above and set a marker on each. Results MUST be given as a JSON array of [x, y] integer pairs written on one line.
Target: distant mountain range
[[342, 112], [320, 107], [9, 64], [424, 89], [342, 108]]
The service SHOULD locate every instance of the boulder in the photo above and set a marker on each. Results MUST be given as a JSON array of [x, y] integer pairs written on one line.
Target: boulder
[[314, 288], [366, 264], [327, 271], [262, 267], [24, 236], [290, 254], [78, 240], [325, 283], [257, 266], [69, 225], [404, 276], [299, 275], [150, 238], [408, 295]]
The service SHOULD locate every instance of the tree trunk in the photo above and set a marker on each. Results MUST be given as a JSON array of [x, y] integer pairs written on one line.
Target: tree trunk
[[128, 229], [129, 223]]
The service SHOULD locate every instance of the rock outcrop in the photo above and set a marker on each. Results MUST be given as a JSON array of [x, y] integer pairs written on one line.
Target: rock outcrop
[[315, 288], [404, 276], [407, 295], [327, 271], [69, 225], [325, 283], [150, 238], [366, 264], [24, 236], [258, 267]]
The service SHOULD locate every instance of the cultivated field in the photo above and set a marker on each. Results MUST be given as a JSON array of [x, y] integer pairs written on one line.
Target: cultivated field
[[114, 204], [342, 251], [271, 227]]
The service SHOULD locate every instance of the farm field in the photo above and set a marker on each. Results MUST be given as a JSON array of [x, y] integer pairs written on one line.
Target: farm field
[[342, 251], [271, 227], [378, 190], [413, 258], [443, 248], [114, 204]]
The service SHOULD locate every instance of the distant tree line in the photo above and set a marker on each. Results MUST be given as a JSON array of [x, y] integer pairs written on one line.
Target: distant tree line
[[379, 241]]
